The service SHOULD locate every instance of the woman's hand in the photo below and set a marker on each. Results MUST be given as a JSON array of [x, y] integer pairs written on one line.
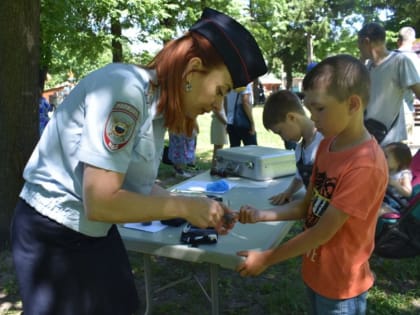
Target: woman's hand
[[206, 212]]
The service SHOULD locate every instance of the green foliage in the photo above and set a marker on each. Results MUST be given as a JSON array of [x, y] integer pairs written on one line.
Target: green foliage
[[76, 35], [402, 13]]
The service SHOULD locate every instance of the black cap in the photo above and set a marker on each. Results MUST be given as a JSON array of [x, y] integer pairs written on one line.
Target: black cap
[[235, 44]]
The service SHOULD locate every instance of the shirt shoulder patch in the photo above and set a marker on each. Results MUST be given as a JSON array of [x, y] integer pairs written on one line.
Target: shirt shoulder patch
[[120, 125]]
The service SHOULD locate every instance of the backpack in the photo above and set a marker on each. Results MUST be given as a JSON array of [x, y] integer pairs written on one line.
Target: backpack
[[399, 237]]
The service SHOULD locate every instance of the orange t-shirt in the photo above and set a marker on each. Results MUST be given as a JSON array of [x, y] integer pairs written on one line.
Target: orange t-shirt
[[353, 181]]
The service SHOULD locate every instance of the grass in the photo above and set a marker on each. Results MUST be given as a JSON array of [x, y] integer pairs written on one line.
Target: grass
[[264, 137], [278, 291]]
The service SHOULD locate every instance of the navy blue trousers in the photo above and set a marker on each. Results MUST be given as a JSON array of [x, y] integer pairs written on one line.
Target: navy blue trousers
[[64, 272], [238, 135]]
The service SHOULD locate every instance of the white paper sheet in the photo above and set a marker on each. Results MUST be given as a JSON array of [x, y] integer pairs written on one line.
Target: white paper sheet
[[156, 226]]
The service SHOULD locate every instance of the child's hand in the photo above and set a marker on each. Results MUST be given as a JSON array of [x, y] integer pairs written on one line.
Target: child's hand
[[403, 186], [253, 265], [248, 214], [280, 198]]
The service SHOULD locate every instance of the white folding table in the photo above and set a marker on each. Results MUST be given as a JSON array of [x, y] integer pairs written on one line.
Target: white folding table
[[260, 236]]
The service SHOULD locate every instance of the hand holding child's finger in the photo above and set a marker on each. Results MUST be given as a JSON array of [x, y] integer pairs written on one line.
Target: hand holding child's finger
[[227, 223], [207, 212]]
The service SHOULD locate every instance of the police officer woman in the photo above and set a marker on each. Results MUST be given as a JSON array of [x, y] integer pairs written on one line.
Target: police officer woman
[[97, 160]]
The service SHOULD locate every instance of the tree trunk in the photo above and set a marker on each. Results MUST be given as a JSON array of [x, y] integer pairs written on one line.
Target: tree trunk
[[288, 68], [19, 97], [309, 48], [116, 31]]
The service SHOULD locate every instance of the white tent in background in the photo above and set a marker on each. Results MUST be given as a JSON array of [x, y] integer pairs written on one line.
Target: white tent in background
[[271, 82]]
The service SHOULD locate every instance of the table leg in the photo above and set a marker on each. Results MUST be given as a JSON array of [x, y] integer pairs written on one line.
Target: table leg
[[148, 283], [214, 276]]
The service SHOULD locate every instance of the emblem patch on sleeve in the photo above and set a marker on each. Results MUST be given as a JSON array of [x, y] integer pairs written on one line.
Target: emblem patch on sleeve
[[120, 126]]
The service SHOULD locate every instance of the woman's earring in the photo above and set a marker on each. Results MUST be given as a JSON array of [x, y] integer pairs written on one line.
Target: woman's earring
[[188, 86]]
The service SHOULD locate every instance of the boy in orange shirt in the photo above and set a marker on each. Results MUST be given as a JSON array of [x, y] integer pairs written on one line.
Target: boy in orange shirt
[[344, 195]]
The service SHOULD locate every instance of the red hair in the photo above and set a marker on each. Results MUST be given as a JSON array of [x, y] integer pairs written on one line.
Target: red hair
[[170, 64]]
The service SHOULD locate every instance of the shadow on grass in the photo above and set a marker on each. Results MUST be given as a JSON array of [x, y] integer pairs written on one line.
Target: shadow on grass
[[397, 286], [10, 302]]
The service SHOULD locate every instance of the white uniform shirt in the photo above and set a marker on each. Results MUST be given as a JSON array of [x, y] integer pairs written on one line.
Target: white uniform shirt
[[389, 81], [107, 121]]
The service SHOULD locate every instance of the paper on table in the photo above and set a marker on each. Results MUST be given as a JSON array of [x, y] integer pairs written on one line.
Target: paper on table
[[199, 187], [156, 226], [255, 184]]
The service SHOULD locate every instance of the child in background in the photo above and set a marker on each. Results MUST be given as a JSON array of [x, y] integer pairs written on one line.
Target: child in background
[[415, 171], [181, 152], [284, 115], [218, 133], [398, 156], [343, 198]]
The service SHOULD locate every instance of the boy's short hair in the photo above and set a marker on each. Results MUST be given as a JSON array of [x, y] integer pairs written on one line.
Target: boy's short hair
[[278, 105], [374, 31], [341, 76]]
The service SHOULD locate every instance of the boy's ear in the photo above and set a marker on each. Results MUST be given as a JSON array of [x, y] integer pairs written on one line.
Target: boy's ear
[[365, 40], [291, 116], [355, 103]]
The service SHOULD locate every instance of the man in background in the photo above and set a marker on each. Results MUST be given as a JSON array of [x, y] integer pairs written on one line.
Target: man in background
[[406, 39], [391, 73], [237, 133]]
